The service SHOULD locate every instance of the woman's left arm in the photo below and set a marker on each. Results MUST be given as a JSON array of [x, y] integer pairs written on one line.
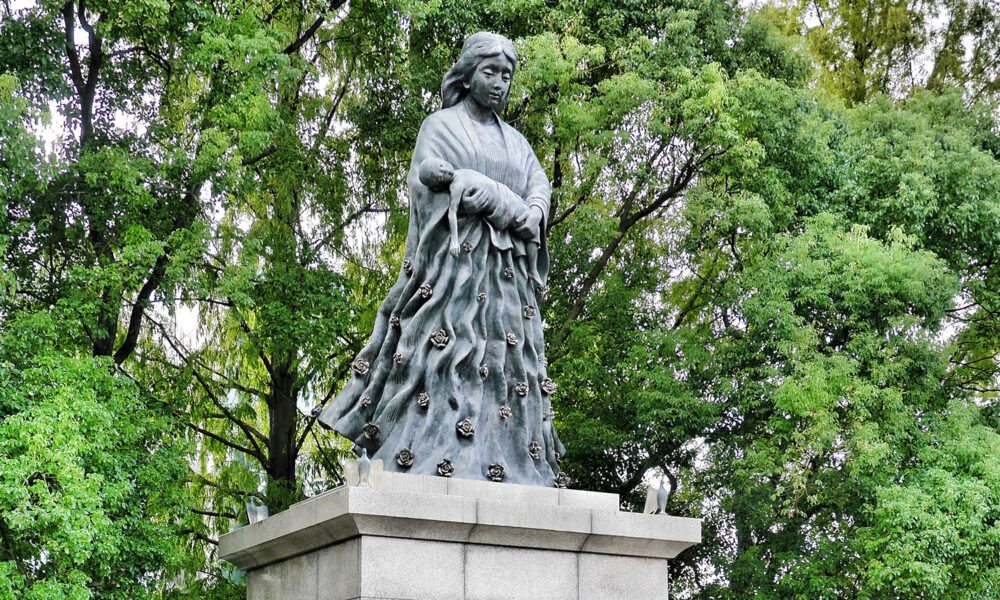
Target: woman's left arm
[[539, 194], [531, 224]]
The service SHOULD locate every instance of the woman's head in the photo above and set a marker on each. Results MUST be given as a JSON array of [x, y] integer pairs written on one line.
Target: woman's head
[[478, 47]]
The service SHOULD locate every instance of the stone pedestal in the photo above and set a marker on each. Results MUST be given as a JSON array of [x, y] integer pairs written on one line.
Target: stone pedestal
[[412, 537]]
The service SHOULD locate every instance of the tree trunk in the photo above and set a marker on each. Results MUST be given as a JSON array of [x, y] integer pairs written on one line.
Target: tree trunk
[[282, 487]]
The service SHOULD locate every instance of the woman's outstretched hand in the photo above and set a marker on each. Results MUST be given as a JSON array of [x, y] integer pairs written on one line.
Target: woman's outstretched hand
[[528, 224]]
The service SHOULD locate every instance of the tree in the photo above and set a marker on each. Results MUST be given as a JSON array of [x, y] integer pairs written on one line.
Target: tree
[[834, 259], [865, 48], [91, 473], [785, 306], [934, 534], [110, 225], [155, 103]]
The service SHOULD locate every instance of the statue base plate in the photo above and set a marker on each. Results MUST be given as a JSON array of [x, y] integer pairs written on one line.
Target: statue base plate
[[414, 537]]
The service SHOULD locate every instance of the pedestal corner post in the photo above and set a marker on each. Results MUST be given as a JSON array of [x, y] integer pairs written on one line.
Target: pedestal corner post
[[418, 537]]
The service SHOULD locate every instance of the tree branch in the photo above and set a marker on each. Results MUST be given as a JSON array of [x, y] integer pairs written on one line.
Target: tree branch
[[249, 162], [309, 33], [224, 441], [206, 481], [139, 308], [328, 120], [69, 21], [689, 306], [322, 403], [583, 293], [201, 536], [209, 513], [260, 353], [626, 222], [253, 435], [89, 91]]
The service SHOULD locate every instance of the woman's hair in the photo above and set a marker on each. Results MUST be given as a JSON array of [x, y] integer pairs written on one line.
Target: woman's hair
[[477, 47]]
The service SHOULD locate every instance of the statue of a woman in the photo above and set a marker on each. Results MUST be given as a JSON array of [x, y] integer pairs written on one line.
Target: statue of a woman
[[453, 381]]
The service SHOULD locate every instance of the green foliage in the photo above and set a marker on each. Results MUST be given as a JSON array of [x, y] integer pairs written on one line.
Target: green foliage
[[834, 260], [786, 307], [764, 48], [935, 534], [825, 381], [863, 48], [91, 476]]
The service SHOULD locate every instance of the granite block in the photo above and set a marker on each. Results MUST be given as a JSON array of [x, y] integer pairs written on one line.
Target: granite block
[[338, 572], [417, 569], [608, 577], [536, 526], [299, 577], [499, 573]]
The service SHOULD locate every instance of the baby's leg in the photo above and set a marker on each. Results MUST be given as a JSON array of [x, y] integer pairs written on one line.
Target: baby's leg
[[531, 255], [456, 199]]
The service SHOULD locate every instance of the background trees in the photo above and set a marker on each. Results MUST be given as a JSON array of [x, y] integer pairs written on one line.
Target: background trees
[[877, 47], [774, 279]]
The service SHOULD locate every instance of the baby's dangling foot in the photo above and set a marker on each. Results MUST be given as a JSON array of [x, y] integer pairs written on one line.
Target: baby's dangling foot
[[531, 254]]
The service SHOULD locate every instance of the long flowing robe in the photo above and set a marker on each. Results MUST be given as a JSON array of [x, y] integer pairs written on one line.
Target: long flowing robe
[[453, 380]]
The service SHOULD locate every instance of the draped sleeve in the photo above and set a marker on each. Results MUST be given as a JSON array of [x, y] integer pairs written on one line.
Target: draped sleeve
[[436, 139], [539, 193]]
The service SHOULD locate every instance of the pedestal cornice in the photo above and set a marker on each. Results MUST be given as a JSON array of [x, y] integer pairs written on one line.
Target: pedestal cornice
[[419, 507]]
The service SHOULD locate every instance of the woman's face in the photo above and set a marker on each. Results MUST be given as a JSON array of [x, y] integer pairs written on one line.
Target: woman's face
[[490, 82]]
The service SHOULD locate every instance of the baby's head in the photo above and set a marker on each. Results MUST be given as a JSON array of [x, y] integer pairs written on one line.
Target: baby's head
[[436, 173]]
